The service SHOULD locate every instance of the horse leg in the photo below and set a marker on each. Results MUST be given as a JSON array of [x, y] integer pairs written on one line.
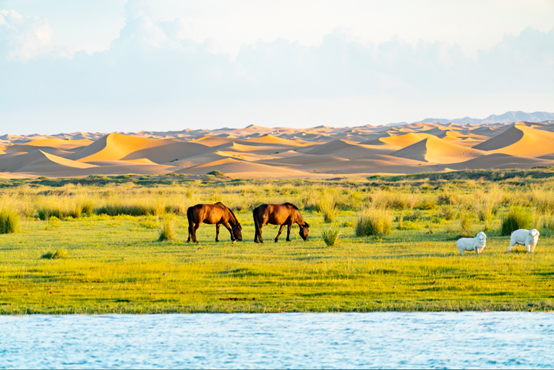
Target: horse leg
[[260, 239], [288, 232], [190, 232], [217, 232], [256, 225], [194, 232], [279, 233], [226, 224]]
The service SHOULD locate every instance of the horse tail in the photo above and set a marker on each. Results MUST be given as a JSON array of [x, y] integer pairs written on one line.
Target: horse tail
[[256, 221], [190, 219]]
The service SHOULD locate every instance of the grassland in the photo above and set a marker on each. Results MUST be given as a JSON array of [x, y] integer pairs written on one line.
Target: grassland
[[115, 263]]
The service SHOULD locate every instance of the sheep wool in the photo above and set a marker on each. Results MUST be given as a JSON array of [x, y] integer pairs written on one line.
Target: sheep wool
[[528, 238], [476, 244]]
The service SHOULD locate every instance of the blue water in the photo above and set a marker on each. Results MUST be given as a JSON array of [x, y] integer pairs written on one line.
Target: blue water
[[346, 340]]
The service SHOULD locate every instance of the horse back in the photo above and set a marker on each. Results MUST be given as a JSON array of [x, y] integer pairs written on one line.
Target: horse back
[[207, 213]]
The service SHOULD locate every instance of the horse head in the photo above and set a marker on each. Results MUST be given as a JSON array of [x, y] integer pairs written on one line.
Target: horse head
[[304, 231], [237, 232]]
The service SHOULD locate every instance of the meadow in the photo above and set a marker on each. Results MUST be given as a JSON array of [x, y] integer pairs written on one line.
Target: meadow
[[91, 245]]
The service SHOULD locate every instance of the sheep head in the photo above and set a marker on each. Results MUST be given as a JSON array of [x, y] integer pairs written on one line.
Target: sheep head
[[481, 237], [534, 232]]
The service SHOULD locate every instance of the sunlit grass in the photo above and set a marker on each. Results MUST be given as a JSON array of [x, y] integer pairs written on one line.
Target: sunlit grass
[[113, 261]]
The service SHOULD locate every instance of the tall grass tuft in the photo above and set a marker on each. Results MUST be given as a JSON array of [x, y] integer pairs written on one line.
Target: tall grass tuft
[[331, 237], [374, 221], [9, 221], [167, 230], [516, 219], [326, 205], [60, 253]]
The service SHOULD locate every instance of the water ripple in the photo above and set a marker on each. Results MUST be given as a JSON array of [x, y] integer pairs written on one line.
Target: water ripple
[[345, 340]]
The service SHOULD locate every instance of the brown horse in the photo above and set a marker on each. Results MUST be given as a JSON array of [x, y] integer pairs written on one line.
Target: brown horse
[[217, 214], [279, 214]]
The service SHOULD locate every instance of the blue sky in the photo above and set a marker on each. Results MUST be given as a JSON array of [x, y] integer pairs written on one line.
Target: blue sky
[[74, 65]]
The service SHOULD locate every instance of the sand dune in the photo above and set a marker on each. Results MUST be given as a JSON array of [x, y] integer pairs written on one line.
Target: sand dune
[[61, 144], [260, 152], [40, 162], [435, 150], [497, 161], [521, 140], [402, 141], [237, 168]]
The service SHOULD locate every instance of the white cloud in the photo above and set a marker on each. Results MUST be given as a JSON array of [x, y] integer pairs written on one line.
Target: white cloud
[[156, 66], [22, 37]]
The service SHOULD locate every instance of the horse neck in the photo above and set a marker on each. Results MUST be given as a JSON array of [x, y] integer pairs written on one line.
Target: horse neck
[[232, 218], [299, 219]]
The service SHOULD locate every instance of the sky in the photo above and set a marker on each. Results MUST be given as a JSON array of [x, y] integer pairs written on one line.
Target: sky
[[132, 65]]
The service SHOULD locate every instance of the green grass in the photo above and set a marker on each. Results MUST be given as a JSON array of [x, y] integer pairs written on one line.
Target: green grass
[[115, 265], [109, 227]]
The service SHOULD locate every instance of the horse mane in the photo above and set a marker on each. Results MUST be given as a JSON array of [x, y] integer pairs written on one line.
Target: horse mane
[[291, 205], [229, 209]]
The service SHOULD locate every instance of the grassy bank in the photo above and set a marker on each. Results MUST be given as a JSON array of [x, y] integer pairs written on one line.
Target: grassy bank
[[116, 263]]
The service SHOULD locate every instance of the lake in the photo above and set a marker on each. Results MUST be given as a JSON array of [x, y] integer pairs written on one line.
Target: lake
[[342, 340]]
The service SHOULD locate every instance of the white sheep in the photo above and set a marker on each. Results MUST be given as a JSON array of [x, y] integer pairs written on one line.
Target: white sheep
[[528, 238], [476, 244]]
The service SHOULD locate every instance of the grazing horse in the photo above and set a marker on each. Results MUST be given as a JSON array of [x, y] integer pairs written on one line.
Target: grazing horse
[[279, 214], [217, 214]]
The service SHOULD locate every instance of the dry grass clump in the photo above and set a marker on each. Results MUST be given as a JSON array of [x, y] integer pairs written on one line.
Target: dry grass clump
[[64, 207], [9, 221], [331, 237], [59, 253], [393, 200], [326, 205], [167, 229], [374, 221], [517, 218]]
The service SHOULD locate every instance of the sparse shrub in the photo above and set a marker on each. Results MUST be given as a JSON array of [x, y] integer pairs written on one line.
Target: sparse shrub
[[331, 237], [466, 217], [400, 220], [216, 173], [485, 211], [9, 221], [149, 224], [448, 199], [516, 219], [413, 216], [189, 193], [350, 223], [426, 204], [60, 253], [167, 231], [87, 206], [374, 222], [446, 213], [53, 221]]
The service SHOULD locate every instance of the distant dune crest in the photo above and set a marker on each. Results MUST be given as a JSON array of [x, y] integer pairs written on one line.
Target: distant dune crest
[[261, 152]]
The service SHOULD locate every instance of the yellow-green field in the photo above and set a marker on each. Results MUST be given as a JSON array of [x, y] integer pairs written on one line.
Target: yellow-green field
[[116, 263]]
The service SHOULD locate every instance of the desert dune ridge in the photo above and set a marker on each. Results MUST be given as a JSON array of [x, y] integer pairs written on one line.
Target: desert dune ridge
[[281, 152]]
